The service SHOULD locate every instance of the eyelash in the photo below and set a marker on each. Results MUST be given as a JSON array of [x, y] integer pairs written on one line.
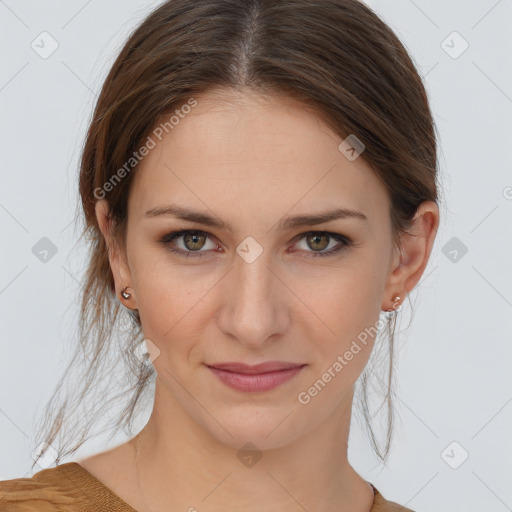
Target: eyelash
[[169, 237]]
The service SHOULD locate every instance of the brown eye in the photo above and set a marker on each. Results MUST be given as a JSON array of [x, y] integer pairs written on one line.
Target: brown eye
[[318, 242], [323, 243], [194, 241], [185, 242]]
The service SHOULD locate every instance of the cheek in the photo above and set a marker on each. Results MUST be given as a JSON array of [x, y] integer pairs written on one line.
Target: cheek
[[340, 311], [343, 299], [173, 302]]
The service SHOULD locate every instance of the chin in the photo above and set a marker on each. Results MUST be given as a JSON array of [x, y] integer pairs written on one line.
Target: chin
[[263, 430]]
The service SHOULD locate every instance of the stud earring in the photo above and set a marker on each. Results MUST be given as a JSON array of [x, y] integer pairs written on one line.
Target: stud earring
[[396, 303], [124, 294]]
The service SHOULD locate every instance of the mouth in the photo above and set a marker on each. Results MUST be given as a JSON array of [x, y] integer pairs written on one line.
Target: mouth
[[259, 377]]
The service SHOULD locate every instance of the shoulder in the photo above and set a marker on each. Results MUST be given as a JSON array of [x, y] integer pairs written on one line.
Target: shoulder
[[50, 490], [381, 504]]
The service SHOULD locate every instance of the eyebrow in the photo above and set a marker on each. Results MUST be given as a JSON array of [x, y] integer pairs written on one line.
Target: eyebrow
[[313, 219]]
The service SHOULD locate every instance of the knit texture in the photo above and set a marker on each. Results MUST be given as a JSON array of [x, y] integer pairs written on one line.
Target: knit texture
[[71, 488]]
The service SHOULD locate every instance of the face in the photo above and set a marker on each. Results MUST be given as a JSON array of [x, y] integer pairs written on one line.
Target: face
[[256, 287]]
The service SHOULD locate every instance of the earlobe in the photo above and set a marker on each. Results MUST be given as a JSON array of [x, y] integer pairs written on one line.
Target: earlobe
[[395, 304]]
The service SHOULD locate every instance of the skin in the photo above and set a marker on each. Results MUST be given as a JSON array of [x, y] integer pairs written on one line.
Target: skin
[[252, 161]]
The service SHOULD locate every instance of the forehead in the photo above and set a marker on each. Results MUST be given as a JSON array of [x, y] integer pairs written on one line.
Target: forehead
[[256, 157]]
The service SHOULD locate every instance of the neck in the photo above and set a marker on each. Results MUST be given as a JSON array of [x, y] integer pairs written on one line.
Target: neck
[[180, 466]]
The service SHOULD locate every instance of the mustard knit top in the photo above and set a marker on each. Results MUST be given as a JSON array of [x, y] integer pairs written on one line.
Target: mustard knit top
[[71, 488]]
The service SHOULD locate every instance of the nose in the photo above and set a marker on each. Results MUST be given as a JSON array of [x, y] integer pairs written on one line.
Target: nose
[[255, 302]]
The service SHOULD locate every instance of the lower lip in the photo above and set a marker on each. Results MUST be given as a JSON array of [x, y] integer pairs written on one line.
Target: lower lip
[[256, 381]]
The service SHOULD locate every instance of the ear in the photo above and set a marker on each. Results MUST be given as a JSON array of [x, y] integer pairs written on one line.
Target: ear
[[116, 256], [411, 258]]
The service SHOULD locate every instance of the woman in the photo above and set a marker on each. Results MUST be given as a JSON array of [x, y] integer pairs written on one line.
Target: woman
[[259, 183]]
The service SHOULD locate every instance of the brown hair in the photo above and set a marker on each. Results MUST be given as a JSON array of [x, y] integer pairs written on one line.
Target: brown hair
[[336, 57]]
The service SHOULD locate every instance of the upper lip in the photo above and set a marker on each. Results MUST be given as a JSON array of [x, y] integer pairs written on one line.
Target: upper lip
[[267, 366]]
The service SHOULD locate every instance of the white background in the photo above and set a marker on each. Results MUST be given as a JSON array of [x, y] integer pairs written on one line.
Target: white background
[[454, 379]]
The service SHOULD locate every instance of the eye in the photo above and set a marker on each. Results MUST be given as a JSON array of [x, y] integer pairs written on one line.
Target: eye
[[191, 244], [192, 241], [319, 241]]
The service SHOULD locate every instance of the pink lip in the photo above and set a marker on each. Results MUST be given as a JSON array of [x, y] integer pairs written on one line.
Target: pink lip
[[260, 377]]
